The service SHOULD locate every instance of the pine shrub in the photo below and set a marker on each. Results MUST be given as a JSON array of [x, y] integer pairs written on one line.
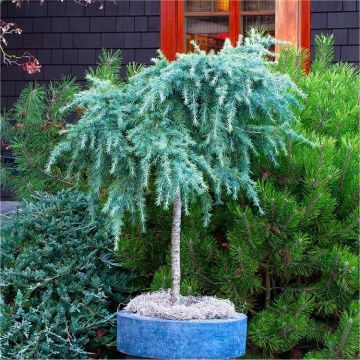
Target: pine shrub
[[60, 281], [32, 128], [344, 342]]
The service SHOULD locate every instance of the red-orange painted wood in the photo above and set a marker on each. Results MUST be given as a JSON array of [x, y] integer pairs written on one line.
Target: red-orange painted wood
[[292, 23], [287, 20], [234, 21], [181, 26], [168, 31], [305, 29]]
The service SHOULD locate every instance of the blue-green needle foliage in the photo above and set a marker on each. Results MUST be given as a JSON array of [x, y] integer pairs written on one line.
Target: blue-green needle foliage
[[188, 126], [60, 282]]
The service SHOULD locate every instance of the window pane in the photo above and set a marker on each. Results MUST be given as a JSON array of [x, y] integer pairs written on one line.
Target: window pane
[[258, 5], [207, 6], [209, 32], [265, 22], [221, 5], [198, 5]]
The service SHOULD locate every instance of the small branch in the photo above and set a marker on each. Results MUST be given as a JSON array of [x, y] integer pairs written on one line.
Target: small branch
[[28, 62], [194, 261], [248, 229], [344, 338], [332, 274], [344, 170]]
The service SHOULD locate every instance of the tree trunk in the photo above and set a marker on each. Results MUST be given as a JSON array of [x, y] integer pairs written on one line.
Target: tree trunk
[[175, 251]]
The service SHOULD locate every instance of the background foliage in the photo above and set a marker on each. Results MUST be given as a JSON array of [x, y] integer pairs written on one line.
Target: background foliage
[[32, 128]]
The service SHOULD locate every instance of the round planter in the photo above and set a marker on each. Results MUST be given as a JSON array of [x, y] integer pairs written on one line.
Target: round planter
[[180, 339]]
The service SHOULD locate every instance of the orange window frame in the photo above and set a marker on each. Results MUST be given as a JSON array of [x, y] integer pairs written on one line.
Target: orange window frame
[[292, 23]]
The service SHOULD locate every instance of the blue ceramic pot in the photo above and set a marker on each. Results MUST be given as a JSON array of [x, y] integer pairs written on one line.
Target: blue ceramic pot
[[181, 339]]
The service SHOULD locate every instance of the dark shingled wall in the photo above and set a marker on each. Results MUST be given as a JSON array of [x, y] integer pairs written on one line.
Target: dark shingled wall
[[67, 37], [340, 18]]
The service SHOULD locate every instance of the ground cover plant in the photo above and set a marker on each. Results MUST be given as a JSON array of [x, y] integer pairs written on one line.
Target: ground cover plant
[[60, 281], [182, 131], [293, 269]]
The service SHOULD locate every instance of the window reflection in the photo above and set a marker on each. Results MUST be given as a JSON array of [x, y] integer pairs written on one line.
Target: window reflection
[[258, 5], [208, 32], [260, 22], [207, 6]]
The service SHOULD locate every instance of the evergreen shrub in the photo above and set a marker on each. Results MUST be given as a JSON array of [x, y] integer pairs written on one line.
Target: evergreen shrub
[[31, 129], [180, 132], [60, 282]]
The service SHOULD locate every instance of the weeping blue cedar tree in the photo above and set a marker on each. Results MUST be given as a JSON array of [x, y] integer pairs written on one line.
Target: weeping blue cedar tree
[[184, 131]]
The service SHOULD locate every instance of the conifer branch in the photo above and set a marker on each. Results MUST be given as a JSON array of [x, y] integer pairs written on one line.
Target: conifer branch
[[344, 168], [344, 337], [332, 273], [248, 229]]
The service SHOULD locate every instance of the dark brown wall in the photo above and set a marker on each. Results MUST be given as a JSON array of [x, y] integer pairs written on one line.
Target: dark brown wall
[[67, 37], [340, 18]]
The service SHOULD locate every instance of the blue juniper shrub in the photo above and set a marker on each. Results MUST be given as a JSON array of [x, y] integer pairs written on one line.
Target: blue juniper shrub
[[60, 281]]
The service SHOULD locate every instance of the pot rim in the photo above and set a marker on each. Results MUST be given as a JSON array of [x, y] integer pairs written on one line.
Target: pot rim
[[135, 316]]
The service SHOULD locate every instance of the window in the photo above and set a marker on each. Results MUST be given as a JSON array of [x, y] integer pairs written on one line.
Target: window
[[258, 14], [210, 22], [206, 22]]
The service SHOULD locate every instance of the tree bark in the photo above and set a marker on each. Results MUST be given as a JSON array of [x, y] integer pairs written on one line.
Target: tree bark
[[175, 251]]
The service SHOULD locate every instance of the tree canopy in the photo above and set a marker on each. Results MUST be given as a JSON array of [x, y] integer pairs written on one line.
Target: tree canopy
[[187, 127]]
